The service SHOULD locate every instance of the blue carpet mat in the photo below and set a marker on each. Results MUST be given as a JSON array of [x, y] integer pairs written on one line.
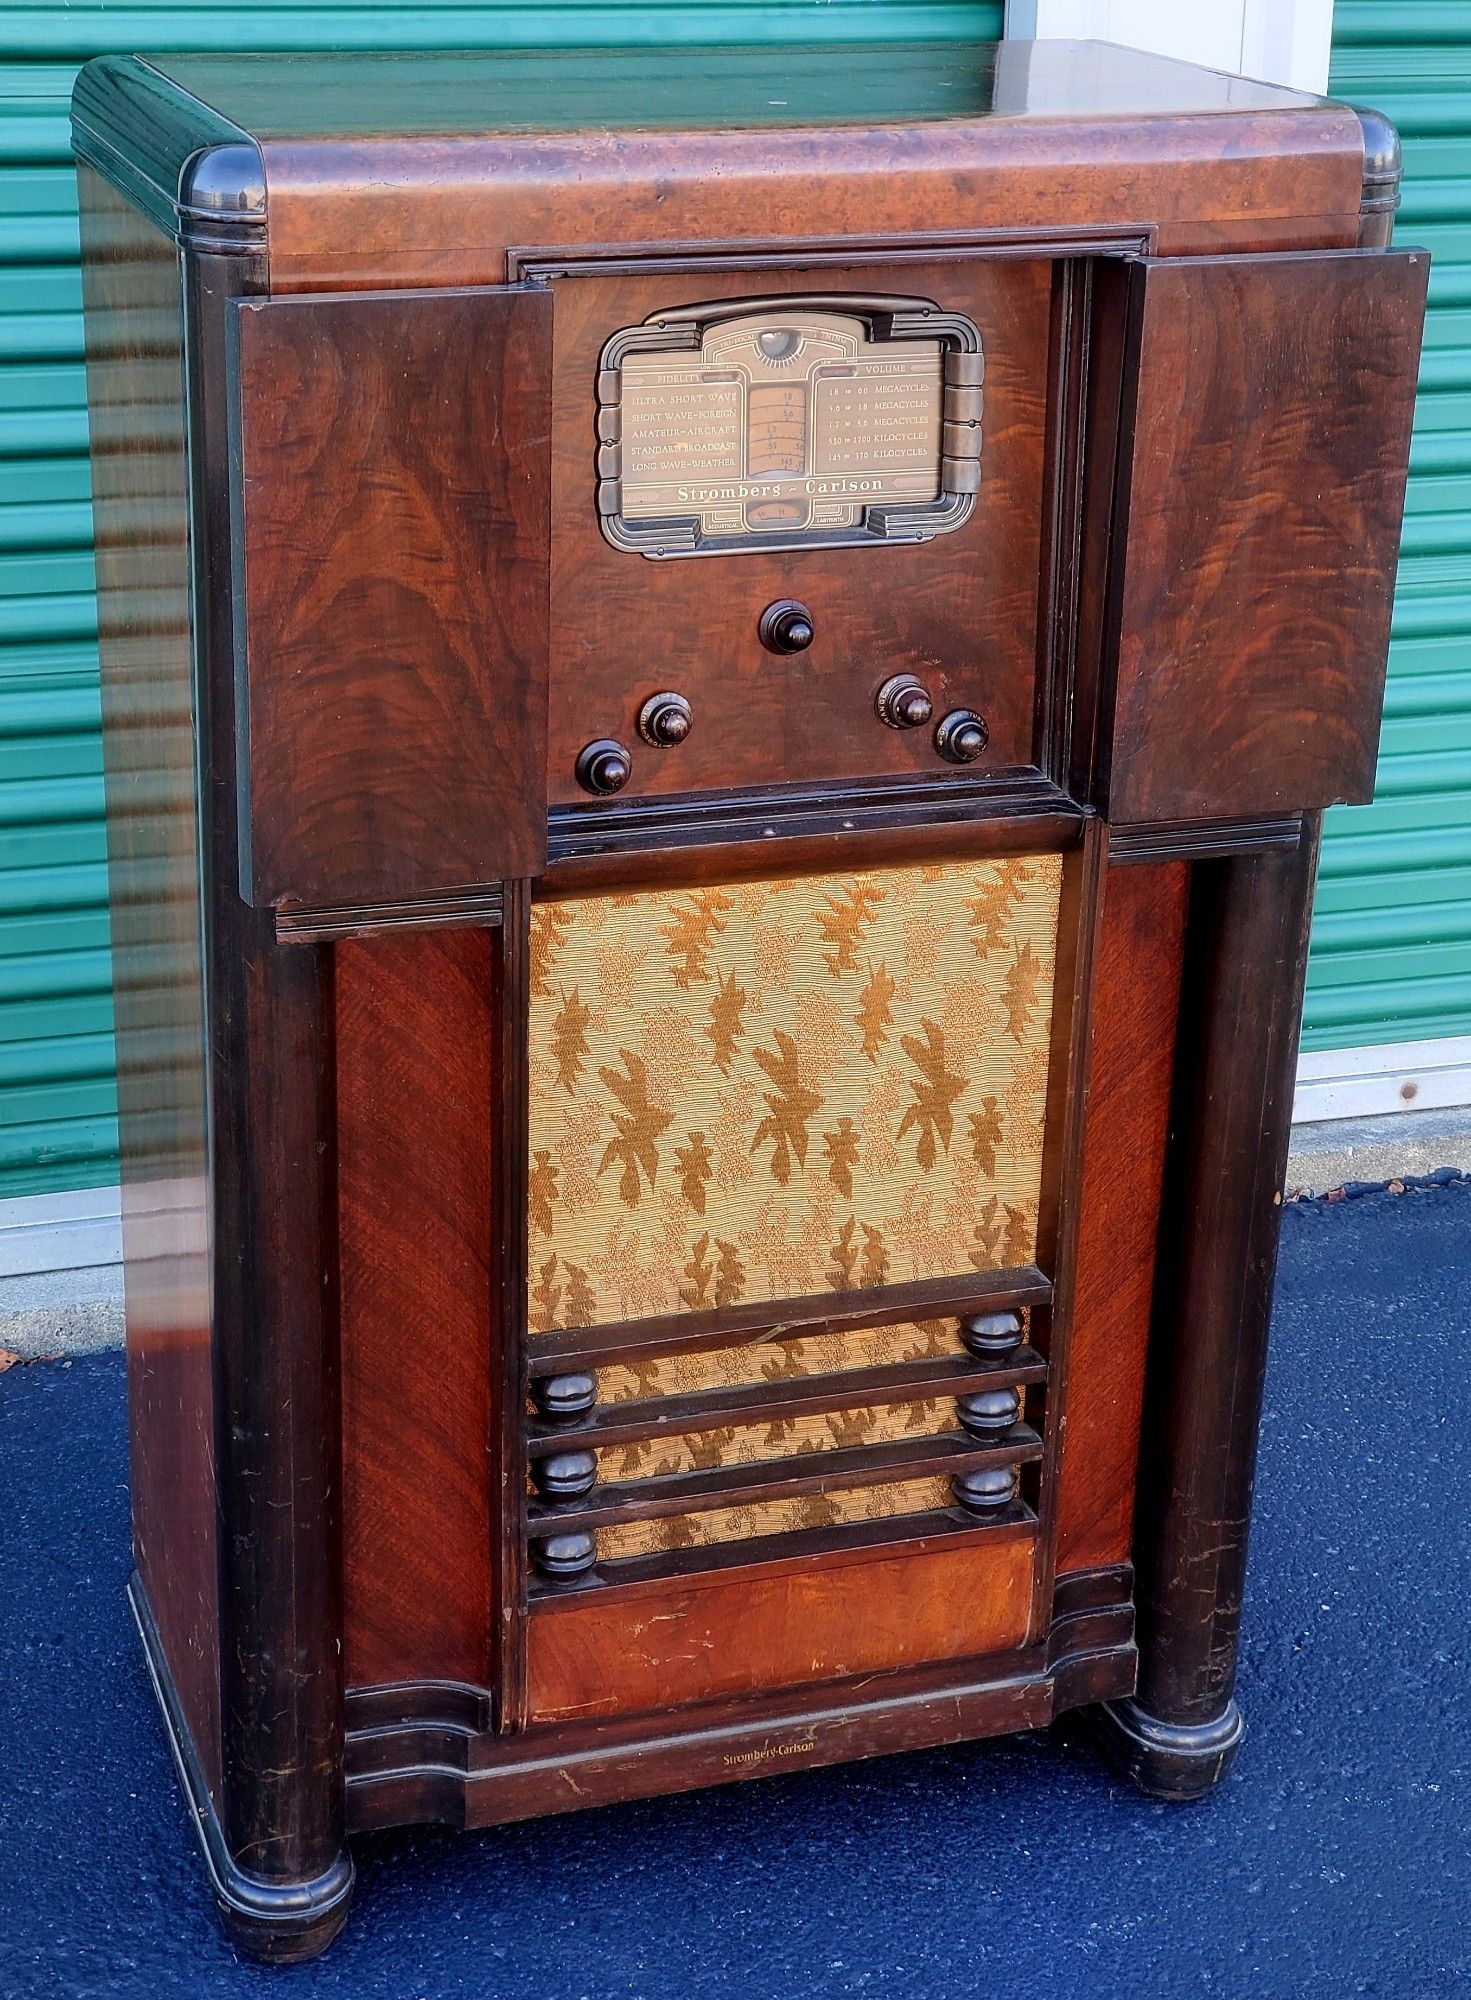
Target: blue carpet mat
[[1334, 1861]]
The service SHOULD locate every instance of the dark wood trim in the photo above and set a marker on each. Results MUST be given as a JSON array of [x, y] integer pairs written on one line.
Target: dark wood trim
[[1057, 1232], [1246, 957], [1202, 839], [542, 265], [443, 1772], [660, 1496], [822, 1312], [479, 908], [272, 1169], [447, 1705], [805, 1549], [282, 1923], [766, 1402], [1057, 621], [803, 829], [509, 1140]]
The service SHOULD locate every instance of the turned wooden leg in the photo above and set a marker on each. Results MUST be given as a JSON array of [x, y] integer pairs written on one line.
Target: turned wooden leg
[[1246, 957]]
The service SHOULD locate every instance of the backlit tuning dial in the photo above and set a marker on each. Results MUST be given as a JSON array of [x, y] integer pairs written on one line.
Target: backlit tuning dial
[[904, 703], [604, 766], [665, 719]]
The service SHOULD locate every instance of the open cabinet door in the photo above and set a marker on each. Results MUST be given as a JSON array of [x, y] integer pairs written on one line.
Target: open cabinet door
[[391, 506], [1264, 441]]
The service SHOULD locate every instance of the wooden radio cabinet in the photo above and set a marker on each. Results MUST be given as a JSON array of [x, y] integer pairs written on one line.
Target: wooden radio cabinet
[[720, 671]]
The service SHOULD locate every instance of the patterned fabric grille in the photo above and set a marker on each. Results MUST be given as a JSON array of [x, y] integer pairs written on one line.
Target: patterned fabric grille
[[776, 1089], [749, 1444], [784, 1358], [773, 1517]]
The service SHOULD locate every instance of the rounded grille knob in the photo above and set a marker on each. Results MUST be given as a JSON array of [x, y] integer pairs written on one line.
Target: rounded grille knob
[[786, 626], [564, 1398], [987, 1334], [962, 736], [904, 703], [989, 1412], [564, 1556], [987, 1488], [665, 719], [604, 766]]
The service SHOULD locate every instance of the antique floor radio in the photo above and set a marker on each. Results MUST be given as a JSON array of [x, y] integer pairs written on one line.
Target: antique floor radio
[[720, 670]]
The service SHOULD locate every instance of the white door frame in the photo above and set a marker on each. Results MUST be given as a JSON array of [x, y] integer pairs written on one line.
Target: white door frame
[[1277, 41]]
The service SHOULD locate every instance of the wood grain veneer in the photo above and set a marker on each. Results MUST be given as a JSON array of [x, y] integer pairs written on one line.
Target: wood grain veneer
[[617, 1652], [391, 508], [413, 1109]]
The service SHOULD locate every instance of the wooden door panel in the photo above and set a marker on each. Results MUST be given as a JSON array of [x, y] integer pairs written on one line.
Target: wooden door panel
[[392, 510], [1264, 446]]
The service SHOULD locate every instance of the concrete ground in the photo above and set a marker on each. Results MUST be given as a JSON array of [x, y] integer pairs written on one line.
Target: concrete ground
[[1335, 1860]]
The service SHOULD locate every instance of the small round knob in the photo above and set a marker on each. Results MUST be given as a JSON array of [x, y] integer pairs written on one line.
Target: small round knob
[[985, 1489], [987, 1334], [566, 1475], [604, 766], [786, 626], [665, 719], [562, 1399], [564, 1556], [904, 703], [988, 1413], [962, 736]]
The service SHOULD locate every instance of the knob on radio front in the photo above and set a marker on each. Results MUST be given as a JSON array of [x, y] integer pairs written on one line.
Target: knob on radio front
[[603, 766], [665, 719], [904, 702], [786, 626], [962, 736]]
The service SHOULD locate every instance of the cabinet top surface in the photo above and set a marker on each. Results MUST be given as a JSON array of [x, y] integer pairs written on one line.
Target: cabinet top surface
[[485, 93]]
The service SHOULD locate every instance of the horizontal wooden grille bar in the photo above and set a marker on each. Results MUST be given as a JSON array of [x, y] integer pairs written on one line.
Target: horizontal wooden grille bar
[[572, 1347], [765, 1402], [814, 1472]]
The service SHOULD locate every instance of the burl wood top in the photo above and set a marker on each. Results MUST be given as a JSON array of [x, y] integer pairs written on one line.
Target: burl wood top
[[428, 169]]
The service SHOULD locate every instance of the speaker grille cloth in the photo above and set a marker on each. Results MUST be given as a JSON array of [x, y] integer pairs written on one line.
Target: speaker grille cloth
[[783, 1437], [773, 1517], [773, 1089], [778, 1358]]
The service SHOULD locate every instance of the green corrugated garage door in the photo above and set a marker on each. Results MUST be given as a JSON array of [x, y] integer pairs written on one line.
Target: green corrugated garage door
[[1392, 946], [1392, 933], [56, 1090]]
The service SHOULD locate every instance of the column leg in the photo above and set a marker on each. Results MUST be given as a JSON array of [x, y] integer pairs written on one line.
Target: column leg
[[1246, 959]]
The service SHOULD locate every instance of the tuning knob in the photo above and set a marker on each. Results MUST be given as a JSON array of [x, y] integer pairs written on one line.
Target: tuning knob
[[604, 766], [904, 703], [665, 719], [786, 626], [962, 736]]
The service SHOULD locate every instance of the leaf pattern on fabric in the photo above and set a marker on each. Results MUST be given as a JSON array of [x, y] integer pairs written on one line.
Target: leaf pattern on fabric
[[724, 1077]]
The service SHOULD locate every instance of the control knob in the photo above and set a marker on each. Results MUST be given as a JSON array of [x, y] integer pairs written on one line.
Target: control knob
[[603, 766], [665, 719], [904, 703], [786, 626], [962, 736]]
